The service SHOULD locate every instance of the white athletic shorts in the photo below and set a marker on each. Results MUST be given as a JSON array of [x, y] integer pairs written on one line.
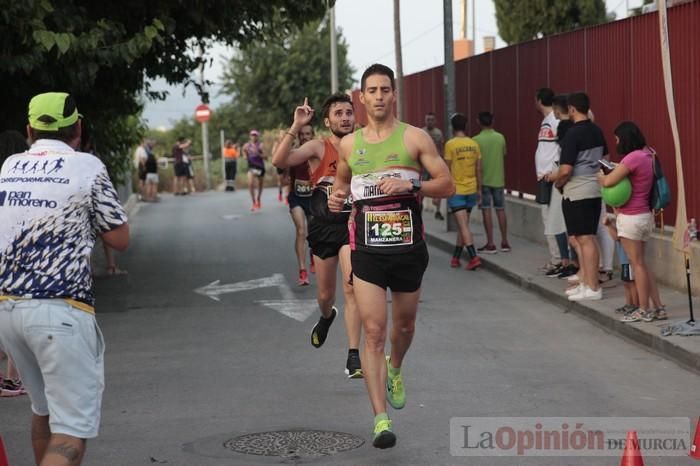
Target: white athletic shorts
[[152, 178], [635, 227], [59, 354]]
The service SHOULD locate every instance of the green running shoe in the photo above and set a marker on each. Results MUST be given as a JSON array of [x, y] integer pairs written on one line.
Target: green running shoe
[[395, 392], [383, 436]]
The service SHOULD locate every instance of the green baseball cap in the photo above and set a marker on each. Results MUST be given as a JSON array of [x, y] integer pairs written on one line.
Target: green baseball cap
[[52, 111]]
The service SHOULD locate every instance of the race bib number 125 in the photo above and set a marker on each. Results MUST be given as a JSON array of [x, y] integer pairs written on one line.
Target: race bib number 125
[[394, 228]]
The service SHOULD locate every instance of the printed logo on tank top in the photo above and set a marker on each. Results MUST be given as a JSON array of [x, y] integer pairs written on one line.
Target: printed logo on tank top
[[366, 186]]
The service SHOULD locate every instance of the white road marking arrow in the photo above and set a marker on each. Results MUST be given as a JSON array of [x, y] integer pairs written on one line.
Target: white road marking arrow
[[297, 309], [214, 289]]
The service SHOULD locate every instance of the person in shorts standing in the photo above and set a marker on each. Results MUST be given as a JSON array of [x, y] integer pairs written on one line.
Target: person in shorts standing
[[180, 166], [463, 158], [140, 155], [152, 179], [47, 314], [582, 148], [635, 219], [492, 146]]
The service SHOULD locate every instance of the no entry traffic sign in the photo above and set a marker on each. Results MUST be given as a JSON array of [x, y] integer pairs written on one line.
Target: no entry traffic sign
[[202, 113]]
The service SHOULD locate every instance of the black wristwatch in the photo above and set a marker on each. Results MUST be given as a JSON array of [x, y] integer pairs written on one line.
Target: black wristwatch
[[416, 185]]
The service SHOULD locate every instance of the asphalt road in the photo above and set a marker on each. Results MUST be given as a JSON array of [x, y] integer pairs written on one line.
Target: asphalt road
[[186, 373]]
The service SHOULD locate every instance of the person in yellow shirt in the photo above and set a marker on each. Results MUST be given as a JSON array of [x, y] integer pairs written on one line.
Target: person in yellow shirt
[[464, 159]]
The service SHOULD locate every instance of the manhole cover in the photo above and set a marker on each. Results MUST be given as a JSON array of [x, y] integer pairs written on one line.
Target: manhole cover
[[294, 443]]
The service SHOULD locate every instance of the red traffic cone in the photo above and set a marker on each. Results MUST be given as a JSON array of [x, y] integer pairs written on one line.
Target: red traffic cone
[[3, 455], [632, 455], [695, 447]]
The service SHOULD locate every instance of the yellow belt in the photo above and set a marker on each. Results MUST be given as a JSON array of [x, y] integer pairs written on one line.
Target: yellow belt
[[71, 302]]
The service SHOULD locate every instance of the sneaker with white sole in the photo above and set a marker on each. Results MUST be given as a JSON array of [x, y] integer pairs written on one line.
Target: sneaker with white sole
[[573, 278], [587, 294], [574, 290]]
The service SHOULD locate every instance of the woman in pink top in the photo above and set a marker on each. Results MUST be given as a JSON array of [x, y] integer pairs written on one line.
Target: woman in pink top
[[635, 218]]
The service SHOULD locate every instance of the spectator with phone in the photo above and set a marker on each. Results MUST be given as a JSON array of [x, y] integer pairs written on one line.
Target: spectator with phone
[[635, 219]]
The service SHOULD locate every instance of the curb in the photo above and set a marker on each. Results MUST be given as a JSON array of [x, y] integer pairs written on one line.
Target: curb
[[651, 342]]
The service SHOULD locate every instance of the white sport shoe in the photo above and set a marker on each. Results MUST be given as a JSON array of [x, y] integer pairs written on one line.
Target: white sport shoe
[[587, 294], [573, 278], [574, 290]]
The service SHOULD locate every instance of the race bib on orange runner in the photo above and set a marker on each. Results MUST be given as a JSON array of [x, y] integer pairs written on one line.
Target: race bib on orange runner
[[302, 188], [393, 228]]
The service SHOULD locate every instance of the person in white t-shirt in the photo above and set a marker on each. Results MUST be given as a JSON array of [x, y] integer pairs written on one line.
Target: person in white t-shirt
[[546, 159], [54, 203], [140, 156]]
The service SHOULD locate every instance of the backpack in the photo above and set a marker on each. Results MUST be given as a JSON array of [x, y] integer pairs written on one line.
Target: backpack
[[660, 191]]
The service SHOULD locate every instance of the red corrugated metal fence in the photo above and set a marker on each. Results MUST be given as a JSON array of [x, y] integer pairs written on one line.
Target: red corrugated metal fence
[[618, 64]]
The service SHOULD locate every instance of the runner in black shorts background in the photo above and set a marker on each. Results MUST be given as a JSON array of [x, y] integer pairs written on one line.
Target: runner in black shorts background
[[299, 198], [328, 231]]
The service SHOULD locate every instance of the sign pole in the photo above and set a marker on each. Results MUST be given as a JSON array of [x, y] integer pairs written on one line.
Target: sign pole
[[223, 161], [202, 114], [205, 149]]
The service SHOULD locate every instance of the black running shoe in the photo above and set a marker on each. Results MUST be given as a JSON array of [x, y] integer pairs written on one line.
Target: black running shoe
[[320, 330], [568, 271], [353, 368], [554, 270]]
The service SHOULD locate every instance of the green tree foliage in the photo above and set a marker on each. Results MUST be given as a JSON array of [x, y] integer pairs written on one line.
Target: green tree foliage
[[519, 21], [103, 51], [267, 80]]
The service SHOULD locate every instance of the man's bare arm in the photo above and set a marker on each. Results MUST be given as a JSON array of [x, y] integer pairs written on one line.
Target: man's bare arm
[[118, 238], [343, 176], [441, 183], [283, 156], [563, 175]]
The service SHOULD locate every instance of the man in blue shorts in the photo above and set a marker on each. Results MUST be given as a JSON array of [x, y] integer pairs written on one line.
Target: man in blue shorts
[[300, 190], [463, 157]]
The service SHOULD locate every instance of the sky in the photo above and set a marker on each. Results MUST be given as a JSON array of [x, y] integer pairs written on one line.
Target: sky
[[368, 27]]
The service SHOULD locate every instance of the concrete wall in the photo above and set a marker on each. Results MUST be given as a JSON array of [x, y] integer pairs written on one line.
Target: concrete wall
[[667, 264]]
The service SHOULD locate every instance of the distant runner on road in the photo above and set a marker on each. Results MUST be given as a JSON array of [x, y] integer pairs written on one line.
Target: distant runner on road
[[253, 151]]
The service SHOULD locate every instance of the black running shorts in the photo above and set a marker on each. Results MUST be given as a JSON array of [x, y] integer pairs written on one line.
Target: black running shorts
[[326, 239], [582, 216], [402, 273]]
